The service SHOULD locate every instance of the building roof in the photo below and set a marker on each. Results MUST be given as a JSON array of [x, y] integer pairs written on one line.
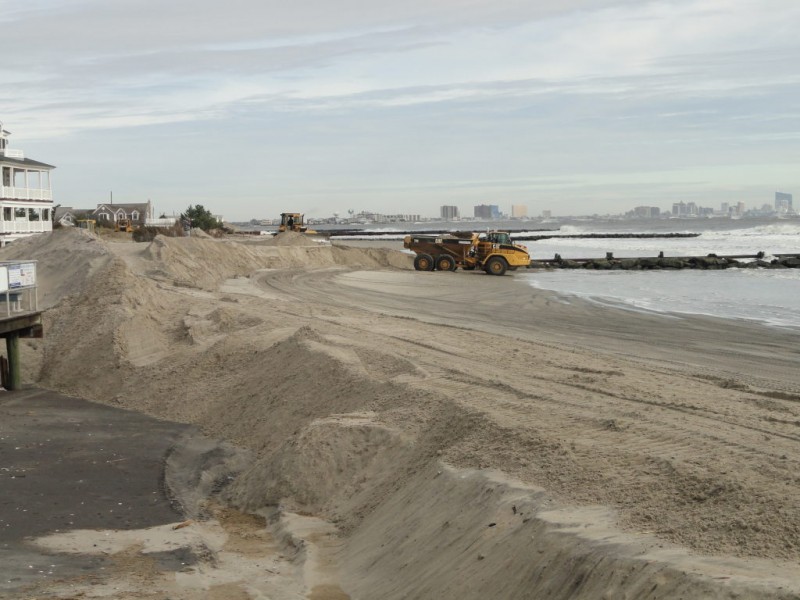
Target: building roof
[[25, 162], [127, 207]]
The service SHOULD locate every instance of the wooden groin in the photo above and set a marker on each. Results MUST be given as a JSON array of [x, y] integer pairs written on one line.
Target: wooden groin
[[517, 235], [336, 233], [709, 261], [601, 236]]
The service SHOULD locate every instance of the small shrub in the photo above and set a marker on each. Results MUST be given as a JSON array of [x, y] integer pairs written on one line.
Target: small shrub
[[148, 233]]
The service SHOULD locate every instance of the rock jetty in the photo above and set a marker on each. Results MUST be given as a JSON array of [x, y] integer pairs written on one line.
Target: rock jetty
[[711, 261]]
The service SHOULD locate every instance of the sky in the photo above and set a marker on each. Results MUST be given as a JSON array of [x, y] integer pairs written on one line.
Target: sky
[[256, 107]]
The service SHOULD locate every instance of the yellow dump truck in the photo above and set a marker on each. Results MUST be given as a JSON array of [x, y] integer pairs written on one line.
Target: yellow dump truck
[[493, 252]]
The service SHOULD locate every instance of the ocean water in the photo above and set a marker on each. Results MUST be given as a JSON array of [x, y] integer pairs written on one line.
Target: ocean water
[[767, 296]]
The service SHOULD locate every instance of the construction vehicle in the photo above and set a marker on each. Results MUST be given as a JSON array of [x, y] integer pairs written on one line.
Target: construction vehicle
[[492, 251], [123, 225], [293, 222], [88, 224]]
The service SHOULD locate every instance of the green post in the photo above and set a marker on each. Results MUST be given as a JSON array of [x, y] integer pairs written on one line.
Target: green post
[[12, 348]]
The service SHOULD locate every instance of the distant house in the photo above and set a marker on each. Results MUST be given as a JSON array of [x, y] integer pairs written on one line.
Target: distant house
[[26, 198], [65, 215], [138, 214]]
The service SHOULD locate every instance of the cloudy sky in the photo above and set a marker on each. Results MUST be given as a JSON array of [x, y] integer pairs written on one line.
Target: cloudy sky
[[253, 107]]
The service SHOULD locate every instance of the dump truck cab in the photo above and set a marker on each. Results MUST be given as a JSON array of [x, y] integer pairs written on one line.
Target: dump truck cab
[[496, 253], [498, 237]]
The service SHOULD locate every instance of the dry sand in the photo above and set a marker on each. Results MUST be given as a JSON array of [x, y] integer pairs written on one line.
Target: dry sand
[[429, 435]]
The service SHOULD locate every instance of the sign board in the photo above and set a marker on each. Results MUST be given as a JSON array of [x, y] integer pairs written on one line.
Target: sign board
[[3, 279], [21, 275]]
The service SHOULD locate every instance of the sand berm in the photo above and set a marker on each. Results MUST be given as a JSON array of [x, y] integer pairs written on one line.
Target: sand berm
[[436, 435]]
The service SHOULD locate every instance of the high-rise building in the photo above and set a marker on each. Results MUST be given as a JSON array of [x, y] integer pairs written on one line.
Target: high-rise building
[[678, 209], [482, 211], [783, 202], [449, 213], [519, 211], [487, 211], [647, 212]]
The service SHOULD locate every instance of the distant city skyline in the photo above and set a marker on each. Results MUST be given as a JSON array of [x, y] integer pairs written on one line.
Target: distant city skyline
[[256, 108], [783, 206]]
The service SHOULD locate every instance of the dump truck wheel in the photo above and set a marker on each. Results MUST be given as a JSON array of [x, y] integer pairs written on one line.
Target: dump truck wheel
[[445, 263], [496, 266], [423, 262]]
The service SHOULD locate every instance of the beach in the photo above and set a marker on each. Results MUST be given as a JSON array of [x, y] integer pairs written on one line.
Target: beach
[[429, 435]]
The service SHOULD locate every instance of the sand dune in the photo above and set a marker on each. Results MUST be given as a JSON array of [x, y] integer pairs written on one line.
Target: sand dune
[[462, 436]]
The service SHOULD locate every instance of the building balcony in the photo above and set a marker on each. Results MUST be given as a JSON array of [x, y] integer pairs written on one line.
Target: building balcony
[[25, 226], [21, 193]]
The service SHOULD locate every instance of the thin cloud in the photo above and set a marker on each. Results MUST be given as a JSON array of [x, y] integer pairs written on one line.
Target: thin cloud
[[420, 95]]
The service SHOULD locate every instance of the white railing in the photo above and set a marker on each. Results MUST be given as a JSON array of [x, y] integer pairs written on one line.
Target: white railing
[[25, 226], [15, 153], [17, 193], [166, 222]]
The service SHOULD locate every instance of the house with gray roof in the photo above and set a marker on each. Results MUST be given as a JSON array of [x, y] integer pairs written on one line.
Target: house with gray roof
[[137, 213]]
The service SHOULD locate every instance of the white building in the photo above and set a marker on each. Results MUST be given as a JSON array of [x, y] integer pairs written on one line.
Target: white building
[[26, 199], [519, 211]]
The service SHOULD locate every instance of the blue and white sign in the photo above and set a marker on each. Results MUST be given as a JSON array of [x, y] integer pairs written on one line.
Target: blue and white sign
[[21, 275]]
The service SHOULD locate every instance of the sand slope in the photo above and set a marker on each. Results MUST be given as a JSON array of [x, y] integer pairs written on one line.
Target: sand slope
[[398, 406]]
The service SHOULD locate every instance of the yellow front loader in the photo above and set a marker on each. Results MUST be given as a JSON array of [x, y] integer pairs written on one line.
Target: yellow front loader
[[293, 222]]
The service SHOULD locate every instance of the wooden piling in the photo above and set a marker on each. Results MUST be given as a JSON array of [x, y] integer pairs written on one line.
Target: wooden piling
[[26, 325], [14, 373]]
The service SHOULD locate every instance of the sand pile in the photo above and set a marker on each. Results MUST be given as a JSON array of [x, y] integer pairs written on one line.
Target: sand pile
[[205, 262], [67, 260], [348, 414], [292, 238]]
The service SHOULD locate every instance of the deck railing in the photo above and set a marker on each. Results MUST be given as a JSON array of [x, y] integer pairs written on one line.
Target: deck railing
[[19, 193], [25, 226]]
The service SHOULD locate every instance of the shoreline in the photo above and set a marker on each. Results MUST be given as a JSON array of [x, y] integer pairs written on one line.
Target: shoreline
[[599, 298], [629, 305]]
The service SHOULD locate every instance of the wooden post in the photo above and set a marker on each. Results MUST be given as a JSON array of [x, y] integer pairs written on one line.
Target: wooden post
[[12, 348], [4, 372]]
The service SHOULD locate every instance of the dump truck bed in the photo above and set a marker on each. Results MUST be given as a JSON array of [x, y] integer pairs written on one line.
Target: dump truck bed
[[458, 247]]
